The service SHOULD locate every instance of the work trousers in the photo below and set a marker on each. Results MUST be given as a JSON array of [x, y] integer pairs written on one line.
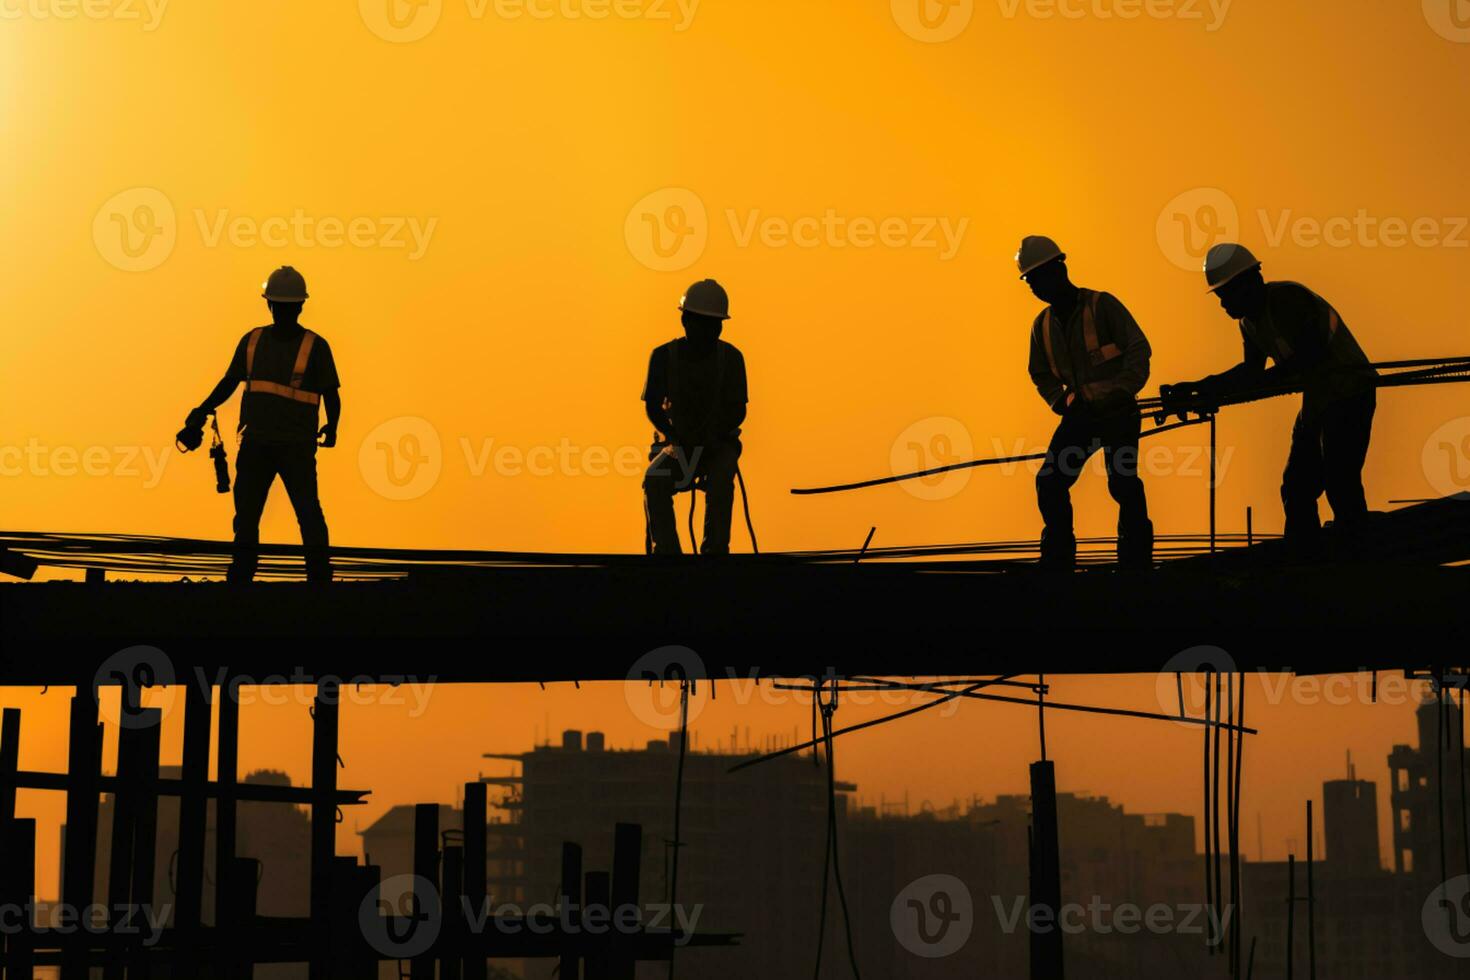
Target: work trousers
[[675, 470], [257, 467], [1328, 449], [1083, 431]]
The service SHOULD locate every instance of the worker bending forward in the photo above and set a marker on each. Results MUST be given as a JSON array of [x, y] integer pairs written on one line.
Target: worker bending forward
[[695, 396], [1313, 350], [1089, 360], [288, 372]]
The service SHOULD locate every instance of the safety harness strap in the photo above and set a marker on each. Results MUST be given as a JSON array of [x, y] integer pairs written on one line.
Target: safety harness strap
[[1096, 353], [298, 371], [285, 391]]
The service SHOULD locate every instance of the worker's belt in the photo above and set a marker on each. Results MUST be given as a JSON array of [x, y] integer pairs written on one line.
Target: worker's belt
[[292, 391]]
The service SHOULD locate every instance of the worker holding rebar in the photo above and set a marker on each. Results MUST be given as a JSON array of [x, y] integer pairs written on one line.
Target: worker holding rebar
[[695, 396], [1313, 351], [1089, 360], [288, 372]]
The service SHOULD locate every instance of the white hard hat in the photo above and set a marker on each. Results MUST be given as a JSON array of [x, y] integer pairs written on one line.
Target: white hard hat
[[1226, 261], [1036, 251]]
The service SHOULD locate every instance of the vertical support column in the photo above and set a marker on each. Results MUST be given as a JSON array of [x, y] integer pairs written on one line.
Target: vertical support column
[[627, 856], [1212, 484], [455, 928], [227, 774], [237, 907], [1290, 915], [17, 843], [475, 816], [598, 888], [350, 952], [570, 902], [325, 716], [145, 834], [84, 756], [122, 906], [1046, 874], [193, 814], [426, 876], [1311, 902], [9, 761], [18, 890]]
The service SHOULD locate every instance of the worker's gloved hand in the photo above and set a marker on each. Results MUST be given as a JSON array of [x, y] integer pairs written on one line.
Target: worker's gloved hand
[[328, 436], [191, 436], [1068, 403], [1178, 399]]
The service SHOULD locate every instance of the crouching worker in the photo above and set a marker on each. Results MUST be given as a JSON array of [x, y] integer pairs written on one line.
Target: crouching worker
[[695, 396]]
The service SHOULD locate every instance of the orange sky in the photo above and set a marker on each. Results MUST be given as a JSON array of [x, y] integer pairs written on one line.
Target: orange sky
[[473, 209]]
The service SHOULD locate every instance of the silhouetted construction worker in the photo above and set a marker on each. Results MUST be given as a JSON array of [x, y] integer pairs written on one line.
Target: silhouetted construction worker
[[1314, 350], [288, 372], [695, 396], [1089, 360]]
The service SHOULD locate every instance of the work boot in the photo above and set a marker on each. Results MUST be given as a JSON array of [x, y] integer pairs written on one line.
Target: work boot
[[1058, 551], [1136, 549]]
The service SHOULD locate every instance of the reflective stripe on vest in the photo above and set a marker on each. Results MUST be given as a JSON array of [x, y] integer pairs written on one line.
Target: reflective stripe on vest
[[1097, 354], [298, 371]]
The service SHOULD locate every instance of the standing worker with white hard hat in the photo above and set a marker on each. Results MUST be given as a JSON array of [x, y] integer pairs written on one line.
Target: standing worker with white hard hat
[[288, 372], [695, 396], [1089, 360], [1314, 350]]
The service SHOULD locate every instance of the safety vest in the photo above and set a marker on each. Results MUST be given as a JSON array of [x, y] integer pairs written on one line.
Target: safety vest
[[1273, 342], [1346, 371], [298, 372], [1098, 354]]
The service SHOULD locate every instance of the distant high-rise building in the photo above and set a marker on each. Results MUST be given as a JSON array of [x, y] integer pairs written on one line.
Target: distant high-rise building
[[1417, 775], [1350, 822]]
